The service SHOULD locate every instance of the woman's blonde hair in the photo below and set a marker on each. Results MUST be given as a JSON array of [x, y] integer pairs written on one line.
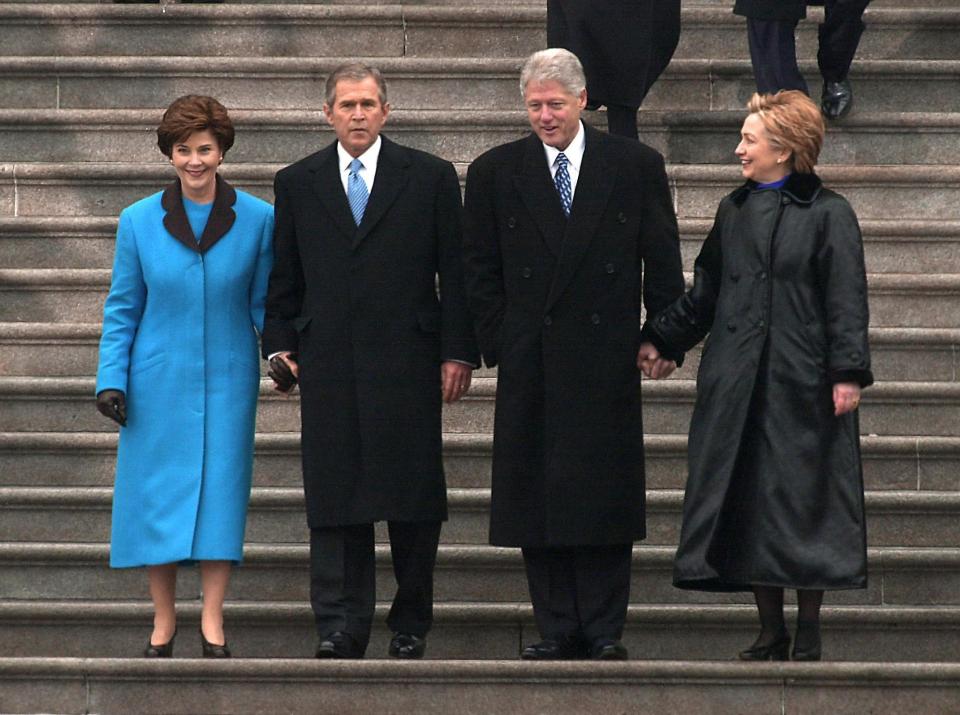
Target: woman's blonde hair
[[793, 122]]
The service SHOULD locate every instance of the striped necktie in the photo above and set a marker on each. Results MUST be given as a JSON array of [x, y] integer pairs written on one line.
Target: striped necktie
[[562, 181], [357, 191]]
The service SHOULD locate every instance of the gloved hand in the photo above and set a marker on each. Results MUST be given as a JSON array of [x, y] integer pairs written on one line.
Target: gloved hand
[[280, 372], [113, 404]]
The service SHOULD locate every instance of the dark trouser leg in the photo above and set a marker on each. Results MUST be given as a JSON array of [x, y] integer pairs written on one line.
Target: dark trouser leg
[[413, 546], [552, 583], [773, 54], [343, 580], [839, 36], [603, 590], [664, 37], [622, 121], [770, 607]]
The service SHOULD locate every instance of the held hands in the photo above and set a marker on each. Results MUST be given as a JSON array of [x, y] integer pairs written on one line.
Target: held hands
[[284, 371], [651, 364], [113, 404], [454, 380], [846, 397]]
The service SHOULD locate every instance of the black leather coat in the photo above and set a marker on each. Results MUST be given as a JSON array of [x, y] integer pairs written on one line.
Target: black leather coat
[[775, 489]]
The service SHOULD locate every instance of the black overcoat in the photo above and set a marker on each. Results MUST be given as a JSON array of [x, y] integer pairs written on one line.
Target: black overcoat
[[624, 45], [360, 307], [557, 305], [773, 9], [775, 490]]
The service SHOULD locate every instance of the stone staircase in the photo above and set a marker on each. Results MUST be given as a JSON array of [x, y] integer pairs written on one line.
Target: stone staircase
[[81, 88]]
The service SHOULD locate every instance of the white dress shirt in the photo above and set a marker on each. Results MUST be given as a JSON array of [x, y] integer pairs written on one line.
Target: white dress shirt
[[369, 159], [574, 154]]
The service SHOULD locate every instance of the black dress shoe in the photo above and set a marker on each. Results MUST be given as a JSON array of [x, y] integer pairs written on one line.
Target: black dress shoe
[[554, 649], [779, 649], [160, 651], [836, 99], [806, 645], [608, 649], [338, 645], [407, 646], [212, 650]]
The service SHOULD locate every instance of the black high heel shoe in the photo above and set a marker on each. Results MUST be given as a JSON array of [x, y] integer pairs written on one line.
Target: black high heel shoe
[[212, 650], [806, 645], [160, 651], [779, 649]]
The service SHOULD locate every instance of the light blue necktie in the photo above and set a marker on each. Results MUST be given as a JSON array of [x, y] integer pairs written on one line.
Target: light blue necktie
[[562, 181], [356, 191]]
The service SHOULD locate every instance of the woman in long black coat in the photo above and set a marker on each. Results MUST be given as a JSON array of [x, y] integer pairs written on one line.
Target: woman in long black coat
[[774, 496], [624, 46]]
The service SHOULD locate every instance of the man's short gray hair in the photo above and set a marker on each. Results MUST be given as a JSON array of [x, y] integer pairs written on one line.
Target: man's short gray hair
[[354, 72], [555, 64]]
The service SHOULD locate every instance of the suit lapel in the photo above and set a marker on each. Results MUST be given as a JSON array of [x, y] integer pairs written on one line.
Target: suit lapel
[[539, 195], [328, 186], [594, 185], [392, 176]]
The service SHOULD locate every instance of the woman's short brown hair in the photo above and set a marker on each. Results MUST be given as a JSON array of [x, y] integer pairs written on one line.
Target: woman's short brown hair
[[792, 121], [194, 113]]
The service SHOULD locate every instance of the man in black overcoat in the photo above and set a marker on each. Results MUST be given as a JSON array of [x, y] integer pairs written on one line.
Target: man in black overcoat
[[770, 30], [364, 229], [568, 234], [624, 45]]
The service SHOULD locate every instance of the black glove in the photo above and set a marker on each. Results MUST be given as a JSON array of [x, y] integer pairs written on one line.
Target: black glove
[[281, 374], [113, 404]]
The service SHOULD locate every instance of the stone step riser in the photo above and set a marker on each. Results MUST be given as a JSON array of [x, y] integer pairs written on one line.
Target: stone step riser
[[694, 198], [909, 469], [425, 32], [285, 636], [70, 357], [683, 141], [903, 582], [680, 88], [663, 414], [33, 304], [884, 253], [911, 527]]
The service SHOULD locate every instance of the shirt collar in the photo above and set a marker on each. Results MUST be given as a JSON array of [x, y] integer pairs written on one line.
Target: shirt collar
[[574, 152], [369, 158]]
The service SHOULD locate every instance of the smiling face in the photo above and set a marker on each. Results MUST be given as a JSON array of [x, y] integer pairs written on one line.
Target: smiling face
[[357, 114], [553, 112], [759, 159], [196, 160]]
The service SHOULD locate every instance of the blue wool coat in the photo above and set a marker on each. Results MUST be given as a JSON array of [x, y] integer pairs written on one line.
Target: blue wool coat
[[180, 329]]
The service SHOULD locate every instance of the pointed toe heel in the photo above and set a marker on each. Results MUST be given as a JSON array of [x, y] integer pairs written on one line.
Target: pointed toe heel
[[212, 650], [160, 651], [777, 650]]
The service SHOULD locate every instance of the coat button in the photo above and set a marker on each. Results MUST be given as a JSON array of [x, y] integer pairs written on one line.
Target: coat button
[[734, 277], [763, 275], [595, 319], [732, 327], [621, 217], [609, 268], [548, 321], [854, 356], [512, 222], [526, 272], [760, 324]]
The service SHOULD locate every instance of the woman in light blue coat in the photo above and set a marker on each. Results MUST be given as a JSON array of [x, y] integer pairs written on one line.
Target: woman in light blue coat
[[179, 369]]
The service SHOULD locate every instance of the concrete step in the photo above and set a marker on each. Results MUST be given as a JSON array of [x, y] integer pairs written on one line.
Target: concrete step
[[891, 246], [395, 30], [71, 295], [91, 190], [445, 83], [268, 135], [256, 686], [70, 350], [81, 459], [66, 404], [464, 574], [909, 519], [96, 629]]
